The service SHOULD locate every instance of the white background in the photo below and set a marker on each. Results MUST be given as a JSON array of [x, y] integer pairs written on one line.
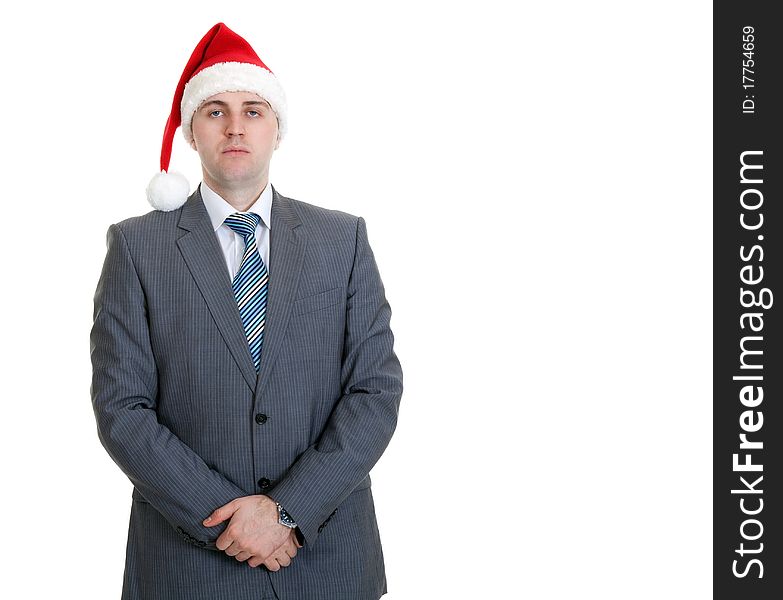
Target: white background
[[536, 180]]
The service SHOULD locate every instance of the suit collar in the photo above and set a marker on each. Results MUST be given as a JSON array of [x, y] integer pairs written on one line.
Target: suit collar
[[194, 211], [218, 209]]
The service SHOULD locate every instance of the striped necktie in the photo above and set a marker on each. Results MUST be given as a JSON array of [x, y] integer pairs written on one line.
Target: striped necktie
[[250, 283]]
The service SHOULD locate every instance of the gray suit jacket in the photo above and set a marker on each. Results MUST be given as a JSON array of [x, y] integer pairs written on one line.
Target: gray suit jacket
[[181, 410]]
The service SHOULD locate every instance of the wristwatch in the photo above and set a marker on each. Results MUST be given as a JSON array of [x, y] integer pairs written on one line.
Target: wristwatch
[[284, 518]]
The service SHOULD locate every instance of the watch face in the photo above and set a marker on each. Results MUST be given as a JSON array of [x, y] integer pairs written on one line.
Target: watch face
[[285, 518]]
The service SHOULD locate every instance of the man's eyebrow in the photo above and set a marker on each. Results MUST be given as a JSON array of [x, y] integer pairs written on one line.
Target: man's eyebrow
[[247, 103]]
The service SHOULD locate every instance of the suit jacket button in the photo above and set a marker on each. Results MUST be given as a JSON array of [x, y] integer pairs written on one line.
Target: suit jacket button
[[264, 483], [261, 418]]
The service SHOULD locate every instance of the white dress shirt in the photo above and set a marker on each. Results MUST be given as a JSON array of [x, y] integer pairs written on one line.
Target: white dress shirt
[[233, 244]]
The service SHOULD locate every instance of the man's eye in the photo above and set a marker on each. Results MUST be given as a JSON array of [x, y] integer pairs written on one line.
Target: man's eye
[[215, 111], [254, 112]]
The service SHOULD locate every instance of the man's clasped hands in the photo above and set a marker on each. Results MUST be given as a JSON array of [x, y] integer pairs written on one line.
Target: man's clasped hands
[[254, 534]]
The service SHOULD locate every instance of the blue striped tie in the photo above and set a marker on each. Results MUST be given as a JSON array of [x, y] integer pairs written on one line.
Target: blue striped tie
[[250, 283]]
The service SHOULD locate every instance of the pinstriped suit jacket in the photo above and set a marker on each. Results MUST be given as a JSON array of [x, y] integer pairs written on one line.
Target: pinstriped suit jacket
[[176, 396]]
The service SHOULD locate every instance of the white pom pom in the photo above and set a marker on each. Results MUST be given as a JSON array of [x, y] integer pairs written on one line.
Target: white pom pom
[[168, 191]]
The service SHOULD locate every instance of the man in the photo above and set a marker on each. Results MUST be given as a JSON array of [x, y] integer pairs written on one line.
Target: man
[[244, 376]]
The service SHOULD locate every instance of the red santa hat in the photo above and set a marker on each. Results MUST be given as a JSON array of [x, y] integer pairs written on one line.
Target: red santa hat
[[222, 62]]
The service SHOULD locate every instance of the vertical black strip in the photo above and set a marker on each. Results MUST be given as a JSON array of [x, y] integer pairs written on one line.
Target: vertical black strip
[[747, 553]]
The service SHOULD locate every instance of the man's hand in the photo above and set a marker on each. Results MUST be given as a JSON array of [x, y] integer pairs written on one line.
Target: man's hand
[[254, 532], [281, 557]]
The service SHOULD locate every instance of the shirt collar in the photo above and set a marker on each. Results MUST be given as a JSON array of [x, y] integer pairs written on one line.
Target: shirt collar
[[218, 209]]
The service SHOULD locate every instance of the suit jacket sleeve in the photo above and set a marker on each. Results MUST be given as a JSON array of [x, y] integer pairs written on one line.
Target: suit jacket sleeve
[[365, 416], [173, 478]]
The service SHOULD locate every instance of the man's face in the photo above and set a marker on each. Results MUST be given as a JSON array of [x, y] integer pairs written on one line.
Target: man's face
[[235, 134]]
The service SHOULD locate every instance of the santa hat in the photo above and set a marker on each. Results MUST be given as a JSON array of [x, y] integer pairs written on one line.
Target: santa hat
[[222, 62]]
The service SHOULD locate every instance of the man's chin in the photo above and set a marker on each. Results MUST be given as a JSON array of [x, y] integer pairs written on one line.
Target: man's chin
[[235, 171]]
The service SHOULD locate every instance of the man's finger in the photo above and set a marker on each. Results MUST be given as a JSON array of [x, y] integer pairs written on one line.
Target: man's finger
[[233, 549], [296, 539], [283, 559], [220, 514], [224, 540], [289, 548], [272, 564]]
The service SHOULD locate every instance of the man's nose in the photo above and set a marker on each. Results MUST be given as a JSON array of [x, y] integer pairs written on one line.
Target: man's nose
[[235, 126]]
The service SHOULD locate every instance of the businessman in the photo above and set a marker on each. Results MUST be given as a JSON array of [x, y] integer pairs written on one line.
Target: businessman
[[244, 376]]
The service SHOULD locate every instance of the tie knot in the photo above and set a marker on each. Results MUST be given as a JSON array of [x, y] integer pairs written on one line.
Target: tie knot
[[243, 223]]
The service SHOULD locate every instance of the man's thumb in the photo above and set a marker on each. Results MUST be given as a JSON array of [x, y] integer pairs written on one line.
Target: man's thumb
[[219, 515]]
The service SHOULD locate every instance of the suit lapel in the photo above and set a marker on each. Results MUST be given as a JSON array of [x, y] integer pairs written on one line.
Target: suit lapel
[[202, 253], [204, 257], [287, 245]]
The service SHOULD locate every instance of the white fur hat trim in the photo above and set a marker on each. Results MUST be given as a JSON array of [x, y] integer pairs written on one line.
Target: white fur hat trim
[[232, 77]]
